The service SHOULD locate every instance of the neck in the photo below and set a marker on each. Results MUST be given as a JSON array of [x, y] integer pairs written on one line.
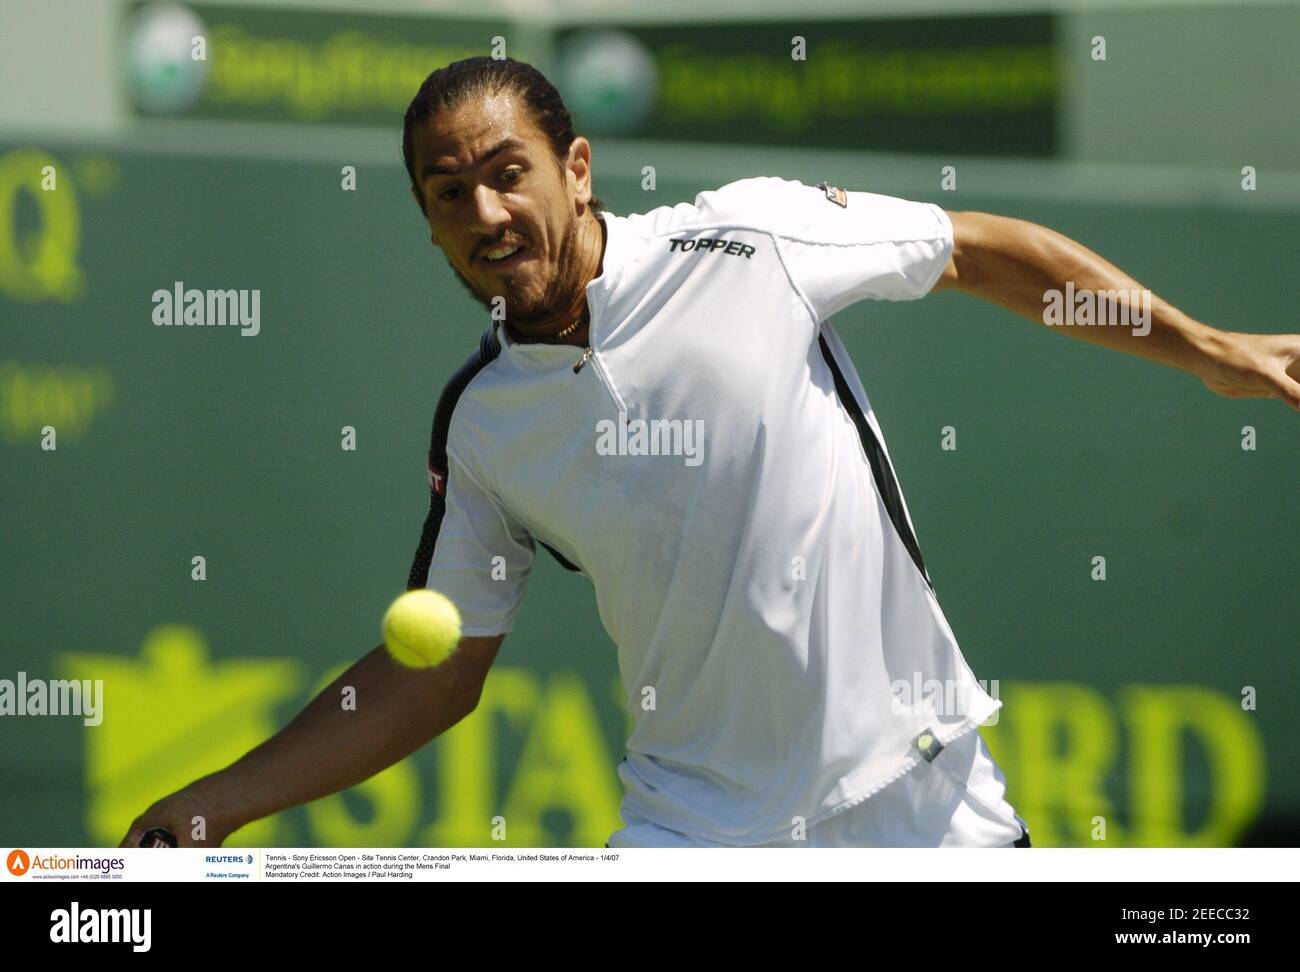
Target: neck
[[559, 328]]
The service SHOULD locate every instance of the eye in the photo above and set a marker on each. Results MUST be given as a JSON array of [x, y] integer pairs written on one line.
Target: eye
[[449, 194], [513, 174]]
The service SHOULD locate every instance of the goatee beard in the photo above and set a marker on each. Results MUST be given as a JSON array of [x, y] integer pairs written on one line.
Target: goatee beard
[[563, 300]]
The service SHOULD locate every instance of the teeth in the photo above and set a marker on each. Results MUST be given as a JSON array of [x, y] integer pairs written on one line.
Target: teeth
[[502, 252]]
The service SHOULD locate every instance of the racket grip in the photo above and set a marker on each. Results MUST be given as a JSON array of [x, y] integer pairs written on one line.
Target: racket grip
[[158, 837]]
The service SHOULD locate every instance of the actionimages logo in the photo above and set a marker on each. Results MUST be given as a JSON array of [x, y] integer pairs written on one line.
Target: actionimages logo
[[54, 866]]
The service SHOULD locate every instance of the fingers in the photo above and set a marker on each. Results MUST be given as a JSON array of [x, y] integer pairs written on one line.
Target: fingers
[[1281, 386], [1284, 375], [1271, 369], [1293, 369], [1288, 389]]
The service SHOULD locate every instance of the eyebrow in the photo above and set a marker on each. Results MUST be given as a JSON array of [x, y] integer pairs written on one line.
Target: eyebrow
[[431, 168]]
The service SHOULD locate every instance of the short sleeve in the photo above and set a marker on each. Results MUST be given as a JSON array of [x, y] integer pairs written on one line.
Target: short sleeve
[[840, 246], [482, 556]]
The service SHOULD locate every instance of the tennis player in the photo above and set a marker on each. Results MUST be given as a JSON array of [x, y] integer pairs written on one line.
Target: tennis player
[[662, 403]]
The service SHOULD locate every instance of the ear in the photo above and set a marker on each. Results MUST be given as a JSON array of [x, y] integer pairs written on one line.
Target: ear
[[578, 168]]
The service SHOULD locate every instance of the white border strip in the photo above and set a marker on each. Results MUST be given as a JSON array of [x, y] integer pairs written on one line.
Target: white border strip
[[1088, 865]]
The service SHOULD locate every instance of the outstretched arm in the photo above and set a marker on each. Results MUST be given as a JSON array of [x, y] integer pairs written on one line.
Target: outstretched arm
[[1049, 278], [328, 748]]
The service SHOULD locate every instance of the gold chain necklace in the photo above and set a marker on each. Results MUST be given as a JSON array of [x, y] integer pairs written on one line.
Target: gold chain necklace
[[556, 338], [559, 336]]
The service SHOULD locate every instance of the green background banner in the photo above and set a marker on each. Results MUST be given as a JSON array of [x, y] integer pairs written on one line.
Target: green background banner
[[1123, 697], [977, 85], [986, 85], [310, 66]]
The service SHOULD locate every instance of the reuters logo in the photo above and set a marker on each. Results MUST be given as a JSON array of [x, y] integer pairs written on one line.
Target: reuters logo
[[18, 863]]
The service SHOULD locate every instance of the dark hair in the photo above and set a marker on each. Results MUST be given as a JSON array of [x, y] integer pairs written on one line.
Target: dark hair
[[479, 77]]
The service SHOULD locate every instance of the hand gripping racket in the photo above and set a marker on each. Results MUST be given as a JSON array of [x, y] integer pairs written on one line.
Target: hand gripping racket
[[158, 837]]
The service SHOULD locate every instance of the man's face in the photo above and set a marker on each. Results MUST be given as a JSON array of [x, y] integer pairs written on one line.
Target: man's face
[[490, 183]]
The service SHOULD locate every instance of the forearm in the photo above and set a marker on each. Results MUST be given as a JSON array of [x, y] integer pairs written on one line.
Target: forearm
[[328, 747], [1032, 270]]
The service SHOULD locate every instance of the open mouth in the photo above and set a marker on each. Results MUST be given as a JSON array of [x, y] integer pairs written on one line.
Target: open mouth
[[503, 257]]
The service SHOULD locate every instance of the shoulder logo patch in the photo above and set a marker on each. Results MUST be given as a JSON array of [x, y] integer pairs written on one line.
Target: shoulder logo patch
[[835, 194]]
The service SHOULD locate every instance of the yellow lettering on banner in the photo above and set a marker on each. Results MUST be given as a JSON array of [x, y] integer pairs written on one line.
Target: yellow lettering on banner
[[565, 765], [38, 263], [1158, 717], [729, 88], [174, 715], [467, 761], [348, 71], [67, 397], [1056, 744]]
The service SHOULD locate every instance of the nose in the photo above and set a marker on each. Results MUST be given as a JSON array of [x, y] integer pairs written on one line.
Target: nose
[[489, 216]]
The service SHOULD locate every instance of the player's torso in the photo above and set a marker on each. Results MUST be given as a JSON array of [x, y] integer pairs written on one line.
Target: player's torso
[[704, 408], [744, 561]]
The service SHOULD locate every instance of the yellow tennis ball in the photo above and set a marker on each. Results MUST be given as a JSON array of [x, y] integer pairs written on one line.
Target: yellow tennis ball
[[421, 628]]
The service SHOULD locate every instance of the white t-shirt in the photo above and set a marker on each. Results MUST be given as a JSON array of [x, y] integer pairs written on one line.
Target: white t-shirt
[[707, 475]]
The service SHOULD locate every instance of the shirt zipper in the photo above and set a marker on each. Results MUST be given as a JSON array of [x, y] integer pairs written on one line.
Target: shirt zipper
[[582, 361]]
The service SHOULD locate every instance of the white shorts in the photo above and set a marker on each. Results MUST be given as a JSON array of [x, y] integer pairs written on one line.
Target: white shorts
[[958, 800]]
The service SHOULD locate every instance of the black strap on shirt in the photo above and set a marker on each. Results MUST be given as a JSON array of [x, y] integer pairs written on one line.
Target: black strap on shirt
[[488, 350], [881, 470]]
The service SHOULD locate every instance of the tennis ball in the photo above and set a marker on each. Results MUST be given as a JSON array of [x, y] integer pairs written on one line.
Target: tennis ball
[[421, 628]]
